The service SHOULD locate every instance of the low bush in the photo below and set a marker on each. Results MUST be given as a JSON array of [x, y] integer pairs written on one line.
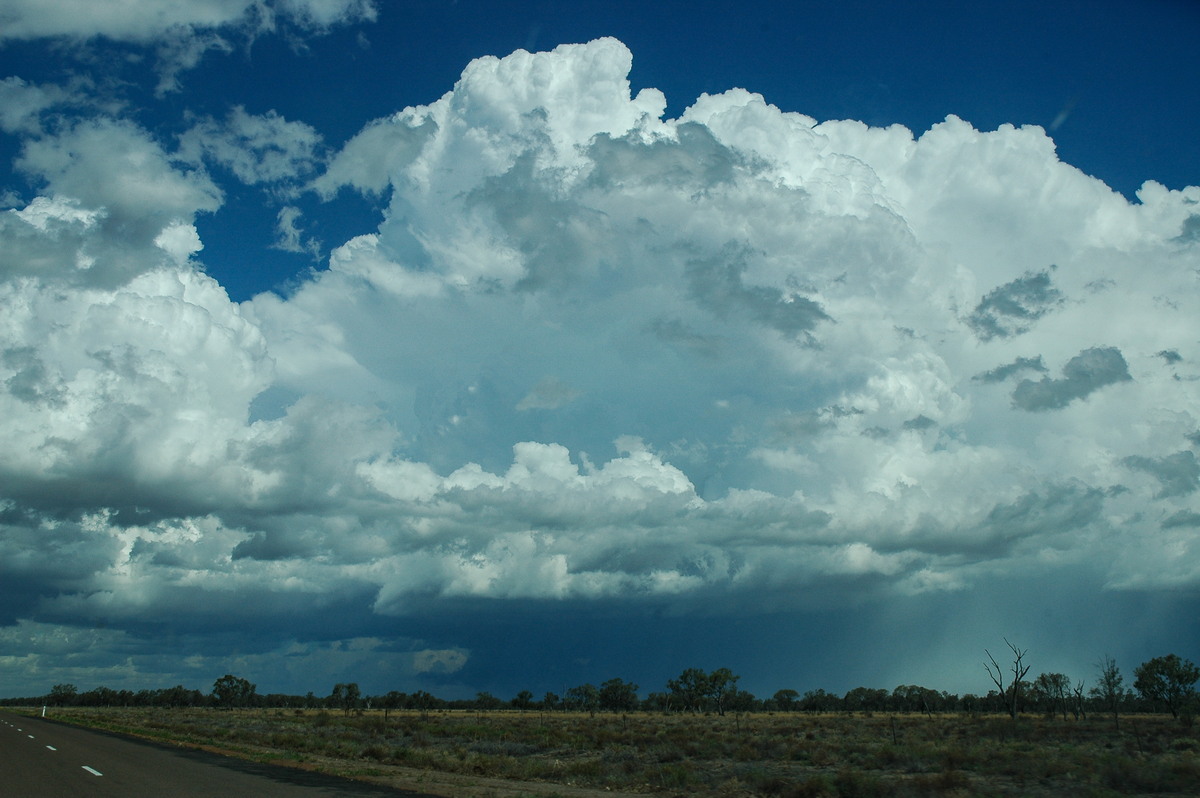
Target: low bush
[[785, 755]]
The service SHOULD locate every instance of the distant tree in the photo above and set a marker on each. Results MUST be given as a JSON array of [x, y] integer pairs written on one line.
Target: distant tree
[[422, 701], [62, 695], [657, 702], [1013, 692], [1169, 679], [819, 701], [391, 700], [865, 699], [1109, 689], [785, 700], [551, 701], [233, 691], [522, 700], [486, 700], [1052, 689], [722, 688], [281, 700], [177, 696], [695, 690], [994, 702], [689, 690], [99, 697], [742, 701], [1079, 708], [584, 698], [345, 696], [914, 698], [617, 695], [906, 698]]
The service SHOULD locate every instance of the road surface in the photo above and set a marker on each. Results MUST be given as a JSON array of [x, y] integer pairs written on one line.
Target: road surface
[[42, 759]]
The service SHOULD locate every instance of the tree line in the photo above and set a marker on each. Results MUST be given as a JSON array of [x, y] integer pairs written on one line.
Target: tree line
[[1161, 684]]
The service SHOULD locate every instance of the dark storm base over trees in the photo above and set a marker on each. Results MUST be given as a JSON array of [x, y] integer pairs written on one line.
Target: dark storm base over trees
[[1161, 684]]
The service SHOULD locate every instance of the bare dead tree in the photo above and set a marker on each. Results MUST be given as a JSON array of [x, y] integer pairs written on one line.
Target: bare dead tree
[[1077, 691], [1013, 691], [1110, 687]]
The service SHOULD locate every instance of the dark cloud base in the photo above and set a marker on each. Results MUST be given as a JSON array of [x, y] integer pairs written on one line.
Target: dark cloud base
[[921, 640]]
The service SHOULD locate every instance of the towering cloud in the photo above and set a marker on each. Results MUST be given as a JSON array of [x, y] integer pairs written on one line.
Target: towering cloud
[[592, 354]]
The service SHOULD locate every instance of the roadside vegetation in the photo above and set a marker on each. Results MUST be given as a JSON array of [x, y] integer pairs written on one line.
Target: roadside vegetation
[[702, 736], [753, 754]]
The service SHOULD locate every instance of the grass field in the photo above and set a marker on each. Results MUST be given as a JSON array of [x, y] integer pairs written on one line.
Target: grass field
[[505, 754]]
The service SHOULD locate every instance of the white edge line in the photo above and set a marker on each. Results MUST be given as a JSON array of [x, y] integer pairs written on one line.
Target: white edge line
[[93, 771]]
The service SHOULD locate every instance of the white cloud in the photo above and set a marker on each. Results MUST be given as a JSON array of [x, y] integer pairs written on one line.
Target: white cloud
[[180, 241], [143, 20], [45, 212], [262, 148], [327, 13], [128, 194], [749, 260], [182, 31], [376, 152], [550, 393], [21, 104], [180, 49], [440, 660], [836, 361], [146, 383], [115, 165], [290, 236]]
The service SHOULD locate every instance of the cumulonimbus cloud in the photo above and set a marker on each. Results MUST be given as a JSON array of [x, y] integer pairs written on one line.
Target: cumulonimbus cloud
[[594, 354]]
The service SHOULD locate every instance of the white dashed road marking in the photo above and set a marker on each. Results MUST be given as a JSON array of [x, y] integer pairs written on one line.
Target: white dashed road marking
[[93, 771]]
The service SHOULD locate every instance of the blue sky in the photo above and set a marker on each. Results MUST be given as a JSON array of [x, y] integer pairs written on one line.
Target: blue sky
[[1112, 79], [472, 346]]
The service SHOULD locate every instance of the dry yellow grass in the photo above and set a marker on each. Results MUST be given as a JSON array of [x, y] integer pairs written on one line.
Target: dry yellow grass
[[508, 753]]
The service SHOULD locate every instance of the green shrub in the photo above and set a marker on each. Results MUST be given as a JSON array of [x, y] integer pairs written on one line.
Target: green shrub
[[675, 775], [378, 752], [946, 781], [858, 784], [820, 786]]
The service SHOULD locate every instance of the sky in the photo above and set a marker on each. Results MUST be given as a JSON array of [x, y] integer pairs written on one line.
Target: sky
[[463, 346]]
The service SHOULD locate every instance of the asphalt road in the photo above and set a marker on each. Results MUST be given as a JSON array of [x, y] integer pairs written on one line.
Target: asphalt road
[[43, 759]]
